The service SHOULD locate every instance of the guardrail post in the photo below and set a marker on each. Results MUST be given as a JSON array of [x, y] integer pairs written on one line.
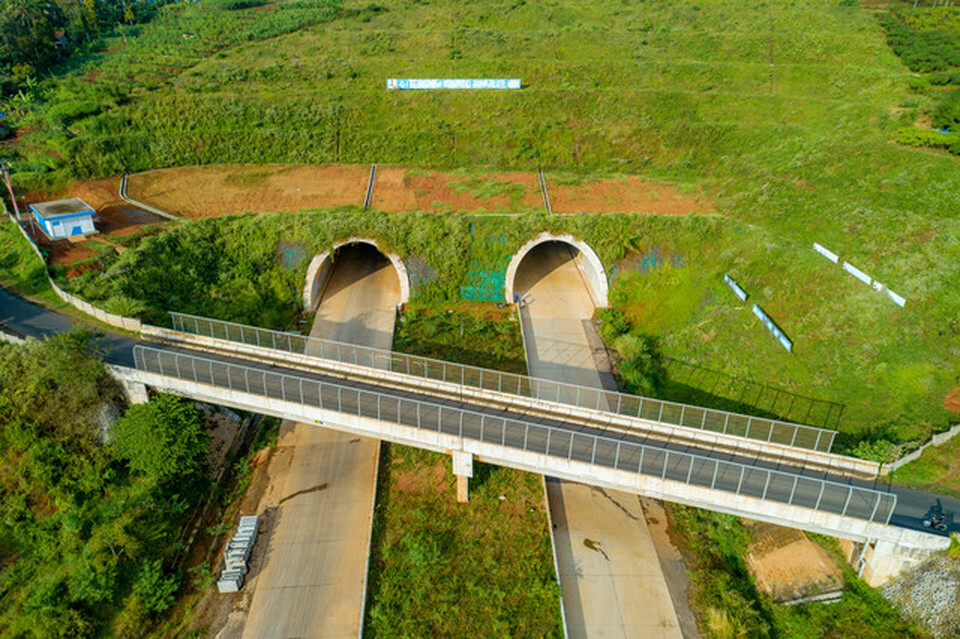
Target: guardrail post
[[666, 460], [616, 458], [875, 506], [716, 468], [847, 502], [726, 420], [820, 496]]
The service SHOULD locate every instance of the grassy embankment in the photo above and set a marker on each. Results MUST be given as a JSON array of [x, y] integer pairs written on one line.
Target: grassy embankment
[[729, 605], [440, 568], [783, 113]]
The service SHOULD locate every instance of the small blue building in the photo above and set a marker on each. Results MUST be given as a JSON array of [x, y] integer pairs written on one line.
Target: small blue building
[[64, 218]]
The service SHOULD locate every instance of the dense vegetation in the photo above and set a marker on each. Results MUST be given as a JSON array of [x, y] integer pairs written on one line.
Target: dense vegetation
[[36, 34], [927, 39], [731, 606], [87, 537]]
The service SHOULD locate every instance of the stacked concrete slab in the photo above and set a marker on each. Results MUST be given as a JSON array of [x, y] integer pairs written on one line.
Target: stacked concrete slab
[[236, 555]]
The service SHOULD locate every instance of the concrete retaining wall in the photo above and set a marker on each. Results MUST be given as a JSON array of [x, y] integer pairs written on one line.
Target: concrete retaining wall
[[119, 321], [936, 440]]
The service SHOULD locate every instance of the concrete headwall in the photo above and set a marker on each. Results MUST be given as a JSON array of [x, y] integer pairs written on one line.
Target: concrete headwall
[[587, 261]]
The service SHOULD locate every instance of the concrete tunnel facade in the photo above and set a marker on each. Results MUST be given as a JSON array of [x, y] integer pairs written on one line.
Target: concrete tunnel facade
[[587, 261], [321, 267]]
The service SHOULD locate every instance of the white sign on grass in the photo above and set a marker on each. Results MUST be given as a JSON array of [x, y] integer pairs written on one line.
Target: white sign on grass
[[453, 83], [830, 255], [857, 273]]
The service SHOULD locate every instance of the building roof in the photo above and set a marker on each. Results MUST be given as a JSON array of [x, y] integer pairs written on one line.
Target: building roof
[[62, 208]]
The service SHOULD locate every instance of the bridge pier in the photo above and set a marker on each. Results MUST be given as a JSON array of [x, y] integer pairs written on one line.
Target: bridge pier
[[463, 469], [135, 392], [884, 560]]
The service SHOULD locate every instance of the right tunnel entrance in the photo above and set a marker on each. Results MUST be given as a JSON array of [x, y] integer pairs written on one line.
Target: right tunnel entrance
[[558, 264]]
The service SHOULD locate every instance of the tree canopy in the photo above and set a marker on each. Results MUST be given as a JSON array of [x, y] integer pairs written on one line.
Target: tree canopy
[[85, 544], [162, 439]]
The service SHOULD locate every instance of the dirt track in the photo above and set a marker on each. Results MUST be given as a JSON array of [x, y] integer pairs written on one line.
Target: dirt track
[[214, 191]]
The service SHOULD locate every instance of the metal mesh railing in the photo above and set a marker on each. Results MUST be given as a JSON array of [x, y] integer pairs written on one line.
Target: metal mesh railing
[[545, 439], [686, 416]]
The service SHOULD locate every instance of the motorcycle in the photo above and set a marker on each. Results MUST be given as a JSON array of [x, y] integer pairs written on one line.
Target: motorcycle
[[936, 522]]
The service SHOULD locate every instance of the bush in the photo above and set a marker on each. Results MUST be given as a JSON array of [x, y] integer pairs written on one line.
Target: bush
[[921, 49], [612, 323], [642, 369], [947, 113], [913, 136]]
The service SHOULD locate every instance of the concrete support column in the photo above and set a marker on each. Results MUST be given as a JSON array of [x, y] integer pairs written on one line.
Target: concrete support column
[[136, 392], [887, 559], [463, 469]]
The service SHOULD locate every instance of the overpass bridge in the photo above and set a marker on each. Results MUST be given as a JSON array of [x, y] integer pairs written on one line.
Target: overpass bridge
[[566, 437]]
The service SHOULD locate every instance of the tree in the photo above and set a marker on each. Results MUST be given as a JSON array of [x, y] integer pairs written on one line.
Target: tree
[[162, 439]]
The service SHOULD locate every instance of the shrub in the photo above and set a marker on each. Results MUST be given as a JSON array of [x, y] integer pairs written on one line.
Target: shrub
[[913, 136], [947, 113]]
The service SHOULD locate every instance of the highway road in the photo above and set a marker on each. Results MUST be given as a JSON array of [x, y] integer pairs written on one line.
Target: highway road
[[26, 319], [313, 581], [610, 575]]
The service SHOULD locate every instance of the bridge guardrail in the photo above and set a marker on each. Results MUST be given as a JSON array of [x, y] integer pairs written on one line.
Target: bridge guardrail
[[685, 416], [768, 485]]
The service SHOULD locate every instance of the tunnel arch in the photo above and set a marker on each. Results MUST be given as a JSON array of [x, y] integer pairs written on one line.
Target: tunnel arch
[[321, 266], [588, 263]]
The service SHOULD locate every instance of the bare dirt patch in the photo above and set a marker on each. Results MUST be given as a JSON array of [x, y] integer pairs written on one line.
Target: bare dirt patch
[[230, 189], [630, 194], [214, 191], [114, 218], [952, 401], [401, 189], [788, 565]]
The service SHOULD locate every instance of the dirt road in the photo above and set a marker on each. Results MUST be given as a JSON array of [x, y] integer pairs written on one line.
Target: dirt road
[[313, 579], [612, 582]]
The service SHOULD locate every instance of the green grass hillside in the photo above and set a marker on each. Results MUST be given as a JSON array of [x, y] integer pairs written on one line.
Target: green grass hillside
[[785, 114]]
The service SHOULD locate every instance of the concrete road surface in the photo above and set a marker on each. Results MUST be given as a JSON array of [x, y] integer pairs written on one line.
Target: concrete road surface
[[314, 576], [612, 582]]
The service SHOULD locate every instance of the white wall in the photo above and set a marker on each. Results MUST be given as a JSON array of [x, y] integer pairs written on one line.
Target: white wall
[[64, 228]]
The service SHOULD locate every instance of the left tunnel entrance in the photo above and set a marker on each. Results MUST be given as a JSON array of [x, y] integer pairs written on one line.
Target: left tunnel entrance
[[356, 262]]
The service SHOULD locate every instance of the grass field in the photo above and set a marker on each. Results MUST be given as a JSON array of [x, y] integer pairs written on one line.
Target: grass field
[[783, 115], [440, 568]]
